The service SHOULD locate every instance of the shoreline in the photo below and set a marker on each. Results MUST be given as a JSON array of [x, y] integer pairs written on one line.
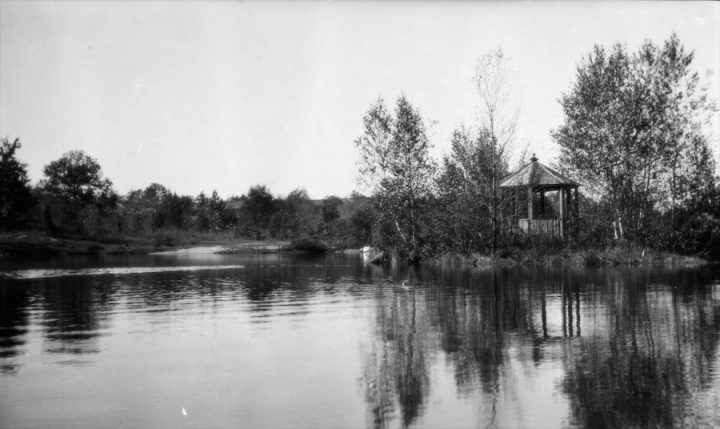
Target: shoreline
[[38, 244], [610, 257]]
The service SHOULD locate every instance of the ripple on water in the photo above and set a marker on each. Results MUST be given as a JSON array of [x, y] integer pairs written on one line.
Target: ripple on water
[[47, 273]]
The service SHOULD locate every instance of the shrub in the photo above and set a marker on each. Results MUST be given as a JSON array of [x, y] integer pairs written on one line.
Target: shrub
[[308, 244]]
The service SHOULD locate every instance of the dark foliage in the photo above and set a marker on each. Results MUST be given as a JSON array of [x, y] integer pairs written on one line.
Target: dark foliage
[[307, 244], [16, 198], [77, 198]]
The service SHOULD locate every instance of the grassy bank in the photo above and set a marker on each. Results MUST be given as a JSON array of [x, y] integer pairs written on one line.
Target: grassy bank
[[37, 243], [614, 256]]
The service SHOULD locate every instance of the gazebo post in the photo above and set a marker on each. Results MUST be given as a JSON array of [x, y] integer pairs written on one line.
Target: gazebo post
[[569, 201], [530, 203], [576, 214], [577, 203], [562, 197]]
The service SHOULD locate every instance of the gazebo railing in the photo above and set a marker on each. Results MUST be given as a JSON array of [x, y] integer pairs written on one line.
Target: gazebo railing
[[548, 227]]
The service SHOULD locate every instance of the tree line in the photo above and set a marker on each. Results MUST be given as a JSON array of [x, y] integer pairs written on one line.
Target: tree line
[[634, 135], [75, 200]]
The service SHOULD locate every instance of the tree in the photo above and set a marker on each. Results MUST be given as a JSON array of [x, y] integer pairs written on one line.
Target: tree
[[295, 216], [76, 188], [176, 211], [256, 212], [16, 198], [156, 207], [498, 119], [634, 133], [140, 208], [467, 194], [395, 164], [202, 221], [210, 212], [155, 193], [468, 187], [301, 213], [331, 209], [216, 209], [77, 177], [361, 225]]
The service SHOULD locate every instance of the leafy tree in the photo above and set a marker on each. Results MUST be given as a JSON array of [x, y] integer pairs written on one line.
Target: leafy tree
[[395, 164], [346, 222], [634, 133], [78, 177], [176, 211], [294, 216], [168, 209], [16, 198], [696, 225], [135, 213], [156, 207], [362, 222], [203, 212], [256, 212], [466, 190], [470, 201], [331, 209], [216, 209], [155, 193], [76, 188], [302, 213]]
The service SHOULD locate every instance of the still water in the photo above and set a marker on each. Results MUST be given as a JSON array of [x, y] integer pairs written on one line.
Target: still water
[[284, 341]]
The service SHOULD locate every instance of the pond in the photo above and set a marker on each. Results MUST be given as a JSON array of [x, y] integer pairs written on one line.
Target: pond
[[197, 339]]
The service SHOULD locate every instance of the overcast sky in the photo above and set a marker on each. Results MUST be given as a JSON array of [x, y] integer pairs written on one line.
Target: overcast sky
[[223, 95]]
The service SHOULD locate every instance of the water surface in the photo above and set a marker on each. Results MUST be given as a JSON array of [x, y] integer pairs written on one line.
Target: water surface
[[197, 339]]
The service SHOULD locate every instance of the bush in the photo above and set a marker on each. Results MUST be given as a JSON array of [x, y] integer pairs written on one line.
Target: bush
[[591, 258], [307, 244]]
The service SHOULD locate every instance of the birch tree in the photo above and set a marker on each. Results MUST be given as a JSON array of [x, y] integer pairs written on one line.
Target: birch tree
[[396, 166], [479, 157], [496, 87], [634, 131]]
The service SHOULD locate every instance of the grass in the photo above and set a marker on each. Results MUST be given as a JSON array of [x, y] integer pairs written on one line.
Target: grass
[[38, 243], [621, 254]]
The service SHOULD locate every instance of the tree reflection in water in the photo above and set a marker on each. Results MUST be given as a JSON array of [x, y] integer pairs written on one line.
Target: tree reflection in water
[[653, 364], [636, 347], [76, 311], [14, 303], [612, 347], [397, 366]]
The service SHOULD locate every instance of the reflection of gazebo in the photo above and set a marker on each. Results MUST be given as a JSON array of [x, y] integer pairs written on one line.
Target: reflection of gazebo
[[536, 179]]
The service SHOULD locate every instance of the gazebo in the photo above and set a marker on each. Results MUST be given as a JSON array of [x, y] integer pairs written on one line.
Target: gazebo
[[529, 186]]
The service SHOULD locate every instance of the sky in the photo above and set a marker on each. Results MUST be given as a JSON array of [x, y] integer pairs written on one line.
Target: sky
[[203, 96]]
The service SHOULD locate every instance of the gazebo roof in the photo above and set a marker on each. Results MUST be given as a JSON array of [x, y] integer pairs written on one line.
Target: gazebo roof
[[535, 174]]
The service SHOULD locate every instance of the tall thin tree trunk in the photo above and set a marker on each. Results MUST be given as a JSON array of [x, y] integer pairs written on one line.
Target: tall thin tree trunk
[[494, 197]]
